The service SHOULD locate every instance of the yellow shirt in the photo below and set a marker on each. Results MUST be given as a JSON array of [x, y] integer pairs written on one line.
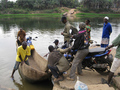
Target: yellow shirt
[[21, 52]]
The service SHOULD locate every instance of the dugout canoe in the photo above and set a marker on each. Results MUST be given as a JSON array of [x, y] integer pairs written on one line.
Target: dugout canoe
[[36, 70]]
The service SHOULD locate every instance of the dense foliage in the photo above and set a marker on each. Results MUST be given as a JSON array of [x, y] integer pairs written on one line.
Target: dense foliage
[[25, 6], [100, 4], [39, 4]]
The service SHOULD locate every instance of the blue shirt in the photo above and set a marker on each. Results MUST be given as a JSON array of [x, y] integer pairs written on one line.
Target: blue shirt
[[107, 29]]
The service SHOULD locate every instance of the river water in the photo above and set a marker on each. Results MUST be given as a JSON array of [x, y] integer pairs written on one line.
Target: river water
[[46, 30]]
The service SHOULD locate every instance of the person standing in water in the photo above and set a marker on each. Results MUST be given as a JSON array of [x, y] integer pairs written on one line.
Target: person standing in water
[[22, 56], [21, 36]]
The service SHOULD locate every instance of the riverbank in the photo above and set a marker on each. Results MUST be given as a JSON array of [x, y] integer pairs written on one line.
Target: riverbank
[[57, 12], [91, 15], [91, 78], [29, 15], [85, 15]]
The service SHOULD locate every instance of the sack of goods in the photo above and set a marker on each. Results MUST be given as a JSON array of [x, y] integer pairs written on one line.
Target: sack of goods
[[80, 85]]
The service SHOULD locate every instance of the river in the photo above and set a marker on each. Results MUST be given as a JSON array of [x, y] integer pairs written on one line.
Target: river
[[46, 30]]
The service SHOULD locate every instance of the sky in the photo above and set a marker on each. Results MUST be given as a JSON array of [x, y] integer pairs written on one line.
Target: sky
[[16, 0], [12, 0]]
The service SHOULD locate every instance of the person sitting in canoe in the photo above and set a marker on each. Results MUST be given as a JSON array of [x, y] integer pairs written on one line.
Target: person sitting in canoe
[[22, 56], [56, 46], [57, 63], [21, 36]]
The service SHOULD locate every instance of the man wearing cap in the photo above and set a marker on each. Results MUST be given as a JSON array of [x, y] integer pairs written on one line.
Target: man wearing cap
[[56, 44], [57, 63], [107, 30], [66, 33], [55, 47]]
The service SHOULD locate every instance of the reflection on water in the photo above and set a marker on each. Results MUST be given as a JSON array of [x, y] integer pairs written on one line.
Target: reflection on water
[[47, 30], [46, 85]]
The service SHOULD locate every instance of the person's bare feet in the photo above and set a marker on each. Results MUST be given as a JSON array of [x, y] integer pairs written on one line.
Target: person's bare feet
[[70, 79], [58, 79], [81, 74]]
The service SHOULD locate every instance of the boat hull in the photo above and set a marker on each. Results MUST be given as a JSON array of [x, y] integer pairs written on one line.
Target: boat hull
[[36, 70]]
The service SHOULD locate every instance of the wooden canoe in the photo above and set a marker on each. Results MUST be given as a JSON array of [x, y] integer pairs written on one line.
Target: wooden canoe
[[36, 70]]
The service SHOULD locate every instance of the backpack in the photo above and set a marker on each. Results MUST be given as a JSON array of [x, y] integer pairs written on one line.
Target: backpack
[[74, 31]]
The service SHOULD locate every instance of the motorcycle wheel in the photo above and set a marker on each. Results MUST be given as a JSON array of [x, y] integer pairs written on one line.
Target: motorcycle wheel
[[106, 70]]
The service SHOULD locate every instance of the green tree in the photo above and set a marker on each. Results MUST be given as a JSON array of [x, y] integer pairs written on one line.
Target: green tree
[[4, 3], [97, 4]]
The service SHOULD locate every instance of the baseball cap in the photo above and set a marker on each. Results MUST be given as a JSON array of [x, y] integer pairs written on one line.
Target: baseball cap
[[56, 41]]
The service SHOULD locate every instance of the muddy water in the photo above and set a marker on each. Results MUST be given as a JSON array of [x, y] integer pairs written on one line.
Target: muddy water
[[46, 30]]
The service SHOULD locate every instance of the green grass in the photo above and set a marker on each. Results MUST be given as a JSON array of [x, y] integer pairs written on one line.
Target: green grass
[[92, 15], [28, 15], [66, 10]]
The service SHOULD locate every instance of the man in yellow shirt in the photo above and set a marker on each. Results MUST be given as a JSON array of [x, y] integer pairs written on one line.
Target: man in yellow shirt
[[22, 56]]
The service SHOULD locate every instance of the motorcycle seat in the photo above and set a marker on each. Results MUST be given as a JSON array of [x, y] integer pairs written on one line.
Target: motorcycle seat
[[96, 50]]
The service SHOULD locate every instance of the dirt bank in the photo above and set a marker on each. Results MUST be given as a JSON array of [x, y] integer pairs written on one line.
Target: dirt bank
[[70, 14], [91, 78]]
